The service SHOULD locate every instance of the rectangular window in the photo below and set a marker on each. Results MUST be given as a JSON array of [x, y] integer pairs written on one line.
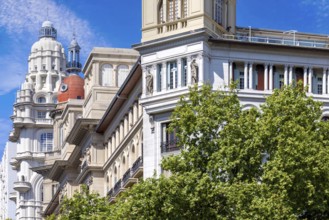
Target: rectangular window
[[184, 72], [172, 75], [241, 80], [218, 11], [41, 114], [46, 142], [319, 87], [281, 81], [168, 139]]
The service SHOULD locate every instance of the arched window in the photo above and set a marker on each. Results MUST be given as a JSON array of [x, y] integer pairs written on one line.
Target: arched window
[[107, 75], [41, 99], [184, 8], [172, 10], [123, 71], [46, 142], [218, 8]]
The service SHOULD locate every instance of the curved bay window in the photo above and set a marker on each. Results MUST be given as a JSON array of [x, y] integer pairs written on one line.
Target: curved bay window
[[46, 142]]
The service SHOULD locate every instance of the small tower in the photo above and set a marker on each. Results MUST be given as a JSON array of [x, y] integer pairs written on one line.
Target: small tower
[[47, 30], [73, 65]]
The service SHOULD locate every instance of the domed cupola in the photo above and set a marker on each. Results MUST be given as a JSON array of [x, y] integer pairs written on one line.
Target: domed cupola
[[47, 30], [73, 64]]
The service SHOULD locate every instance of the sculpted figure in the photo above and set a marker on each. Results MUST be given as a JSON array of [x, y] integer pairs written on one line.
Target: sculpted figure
[[194, 71], [149, 82]]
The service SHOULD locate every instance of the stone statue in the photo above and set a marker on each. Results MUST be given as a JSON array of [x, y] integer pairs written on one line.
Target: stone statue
[[149, 82], [194, 71]]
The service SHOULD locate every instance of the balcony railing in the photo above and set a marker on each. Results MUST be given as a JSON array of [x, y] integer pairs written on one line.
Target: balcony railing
[[273, 40], [169, 146], [110, 193], [126, 176], [43, 121], [117, 187], [137, 165]]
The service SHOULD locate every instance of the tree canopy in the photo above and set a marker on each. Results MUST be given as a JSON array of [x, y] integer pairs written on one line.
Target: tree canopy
[[270, 162]]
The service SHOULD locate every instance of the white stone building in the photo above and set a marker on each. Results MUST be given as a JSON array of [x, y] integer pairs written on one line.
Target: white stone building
[[32, 125], [186, 42], [7, 179]]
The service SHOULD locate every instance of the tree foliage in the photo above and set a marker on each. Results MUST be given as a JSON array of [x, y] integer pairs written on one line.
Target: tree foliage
[[266, 163]]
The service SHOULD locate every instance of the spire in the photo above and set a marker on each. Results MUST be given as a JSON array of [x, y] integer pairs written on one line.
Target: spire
[[73, 65]]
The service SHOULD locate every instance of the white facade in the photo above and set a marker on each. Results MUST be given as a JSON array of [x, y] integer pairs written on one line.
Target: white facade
[[32, 124], [7, 178], [182, 55]]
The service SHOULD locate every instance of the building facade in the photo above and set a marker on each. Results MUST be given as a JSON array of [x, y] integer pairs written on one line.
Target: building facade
[[7, 178], [32, 125], [188, 42]]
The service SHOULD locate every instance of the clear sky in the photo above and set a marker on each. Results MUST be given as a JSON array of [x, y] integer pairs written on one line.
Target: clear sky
[[117, 23]]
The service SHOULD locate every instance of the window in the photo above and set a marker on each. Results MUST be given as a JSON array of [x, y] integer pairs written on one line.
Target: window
[[46, 142], [35, 68], [107, 75], [172, 75], [53, 67], [41, 114], [123, 71], [319, 85], [172, 10], [184, 72], [41, 99], [168, 139], [184, 8], [281, 81], [241, 80], [43, 67], [218, 4]]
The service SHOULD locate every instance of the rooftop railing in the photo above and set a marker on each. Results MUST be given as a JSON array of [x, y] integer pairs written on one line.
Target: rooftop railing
[[277, 40]]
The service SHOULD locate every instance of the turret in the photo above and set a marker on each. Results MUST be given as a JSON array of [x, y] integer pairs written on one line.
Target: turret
[[73, 65]]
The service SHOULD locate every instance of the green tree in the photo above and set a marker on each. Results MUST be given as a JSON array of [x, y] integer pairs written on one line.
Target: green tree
[[83, 205], [271, 163]]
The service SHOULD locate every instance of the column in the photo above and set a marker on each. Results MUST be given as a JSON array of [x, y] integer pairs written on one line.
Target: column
[[113, 146], [285, 75], [130, 118], [179, 72], [324, 81], [188, 71], [266, 77], [230, 69], [290, 74], [251, 83], [125, 126], [201, 58], [140, 109], [135, 113], [117, 138], [305, 77], [121, 131], [310, 76], [245, 76], [271, 77], [164, 76], [155, 78]]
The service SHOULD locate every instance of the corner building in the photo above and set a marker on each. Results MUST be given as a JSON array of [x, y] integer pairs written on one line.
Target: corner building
[[32, 125], [187, 42]]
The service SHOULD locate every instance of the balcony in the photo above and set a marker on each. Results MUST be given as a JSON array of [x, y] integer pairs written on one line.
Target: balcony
[[137, 168], [22, 186], [117, 188], [13, 196], [44, 121], [127, 179], [169, 146]]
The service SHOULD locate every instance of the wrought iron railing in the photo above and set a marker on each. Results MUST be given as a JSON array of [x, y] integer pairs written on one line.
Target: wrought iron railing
[[137, 164], [126, 176], [117, 187], [169, 146]]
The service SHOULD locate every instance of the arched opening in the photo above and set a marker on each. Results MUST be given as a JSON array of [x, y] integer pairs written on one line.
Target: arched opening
[[107, 75]]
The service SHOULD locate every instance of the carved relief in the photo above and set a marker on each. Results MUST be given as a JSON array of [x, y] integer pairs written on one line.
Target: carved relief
[[149, 82], [194, 72]]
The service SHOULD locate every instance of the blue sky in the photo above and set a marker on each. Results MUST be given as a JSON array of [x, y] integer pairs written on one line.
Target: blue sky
[[114, 23]]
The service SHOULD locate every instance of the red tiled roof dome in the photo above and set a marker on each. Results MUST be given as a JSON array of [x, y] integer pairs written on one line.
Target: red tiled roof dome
[[71, 88]]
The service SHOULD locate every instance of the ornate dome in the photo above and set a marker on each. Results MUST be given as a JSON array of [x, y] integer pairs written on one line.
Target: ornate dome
[[71, 88], [47, 30]]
